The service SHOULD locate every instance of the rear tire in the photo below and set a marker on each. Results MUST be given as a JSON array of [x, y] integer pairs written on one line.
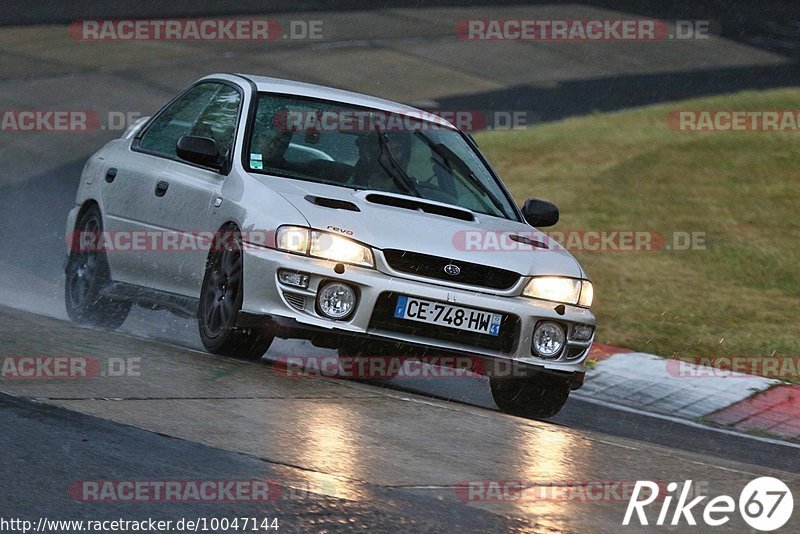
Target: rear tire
[[221, 299], [87, 272], [538, 397]]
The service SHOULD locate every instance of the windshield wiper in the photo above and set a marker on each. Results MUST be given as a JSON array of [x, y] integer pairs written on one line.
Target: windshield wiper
[[454, 160], [399, 175]]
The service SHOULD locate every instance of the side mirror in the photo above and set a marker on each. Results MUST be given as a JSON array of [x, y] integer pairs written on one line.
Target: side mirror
[[200, 150], [540, 213]]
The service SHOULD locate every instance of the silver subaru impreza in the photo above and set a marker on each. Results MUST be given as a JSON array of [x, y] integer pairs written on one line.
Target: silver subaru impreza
[[267, 207]]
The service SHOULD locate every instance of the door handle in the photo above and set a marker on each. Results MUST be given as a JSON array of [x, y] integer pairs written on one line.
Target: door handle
[[111, 174], [161, 188]]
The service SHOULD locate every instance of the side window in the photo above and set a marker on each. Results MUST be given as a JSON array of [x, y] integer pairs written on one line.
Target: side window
[[275, 140], [206, 110], [218, 119]]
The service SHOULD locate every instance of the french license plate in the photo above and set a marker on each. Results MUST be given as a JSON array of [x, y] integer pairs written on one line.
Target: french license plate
[[438, 313]]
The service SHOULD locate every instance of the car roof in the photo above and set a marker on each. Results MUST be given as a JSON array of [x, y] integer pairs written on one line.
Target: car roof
[[291, 87]]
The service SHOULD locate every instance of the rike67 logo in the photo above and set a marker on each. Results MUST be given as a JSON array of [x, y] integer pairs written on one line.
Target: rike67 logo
[[765, 504]]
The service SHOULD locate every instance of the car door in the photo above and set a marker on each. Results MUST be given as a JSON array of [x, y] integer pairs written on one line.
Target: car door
[[183, 194], [126, 182]]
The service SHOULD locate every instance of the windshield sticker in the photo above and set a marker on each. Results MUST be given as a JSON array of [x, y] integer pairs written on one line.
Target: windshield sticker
[[255, 161]]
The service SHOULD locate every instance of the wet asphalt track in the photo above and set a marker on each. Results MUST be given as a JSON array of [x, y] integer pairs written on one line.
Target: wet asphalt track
[[345, 453], [352, 455]]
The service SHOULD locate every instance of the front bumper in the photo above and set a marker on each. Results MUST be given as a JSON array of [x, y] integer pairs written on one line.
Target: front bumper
[[265, 295]]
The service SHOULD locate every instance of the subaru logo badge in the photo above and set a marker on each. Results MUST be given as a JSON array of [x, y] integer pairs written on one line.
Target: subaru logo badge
[[452, 269]]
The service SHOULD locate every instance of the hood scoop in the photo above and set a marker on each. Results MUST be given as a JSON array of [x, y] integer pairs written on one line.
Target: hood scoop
[[528, 241], [417, 205], [333, 203]]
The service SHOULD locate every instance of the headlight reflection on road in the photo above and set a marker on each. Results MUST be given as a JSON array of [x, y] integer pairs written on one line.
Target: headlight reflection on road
[[551, 458], [329, 445]]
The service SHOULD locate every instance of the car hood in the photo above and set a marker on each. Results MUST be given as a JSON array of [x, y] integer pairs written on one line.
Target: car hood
[[485, 240]]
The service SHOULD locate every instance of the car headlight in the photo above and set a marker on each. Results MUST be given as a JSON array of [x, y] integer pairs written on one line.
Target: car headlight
[[324, 245], [587, 294], [292, 239], [337, 248], [560, 289]]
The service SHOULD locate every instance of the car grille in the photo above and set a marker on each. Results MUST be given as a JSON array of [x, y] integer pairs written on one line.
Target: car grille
[[296, 301], [383, 318], [472, 274]]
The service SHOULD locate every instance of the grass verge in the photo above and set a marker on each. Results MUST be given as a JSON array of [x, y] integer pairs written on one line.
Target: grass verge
[[740, 296]]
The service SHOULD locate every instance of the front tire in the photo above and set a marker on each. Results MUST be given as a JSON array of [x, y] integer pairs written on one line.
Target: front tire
[[538, 397], [221, 299], [87, 272]]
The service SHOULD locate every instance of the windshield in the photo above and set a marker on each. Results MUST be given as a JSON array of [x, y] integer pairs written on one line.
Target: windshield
[[347, 146]]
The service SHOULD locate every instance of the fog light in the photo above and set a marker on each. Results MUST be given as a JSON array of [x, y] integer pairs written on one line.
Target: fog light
[[336, 301], [293, 279], [582, 332], [548, 339]]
